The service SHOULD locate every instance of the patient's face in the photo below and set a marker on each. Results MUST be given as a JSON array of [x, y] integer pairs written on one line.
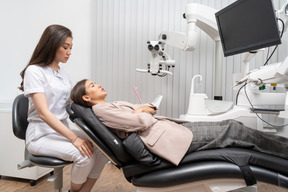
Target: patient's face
[[95, 92]]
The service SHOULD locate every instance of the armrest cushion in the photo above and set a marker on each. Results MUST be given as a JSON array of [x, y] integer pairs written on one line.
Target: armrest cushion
[[134, 145]]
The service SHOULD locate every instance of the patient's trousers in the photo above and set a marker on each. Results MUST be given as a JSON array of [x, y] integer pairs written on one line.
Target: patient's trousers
[[231, 133]]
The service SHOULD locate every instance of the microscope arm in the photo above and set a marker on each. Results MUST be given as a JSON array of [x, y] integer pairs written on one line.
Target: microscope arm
[[196, 15]]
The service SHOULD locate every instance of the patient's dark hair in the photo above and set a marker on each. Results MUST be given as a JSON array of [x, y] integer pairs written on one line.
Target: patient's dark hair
[[77, 92]]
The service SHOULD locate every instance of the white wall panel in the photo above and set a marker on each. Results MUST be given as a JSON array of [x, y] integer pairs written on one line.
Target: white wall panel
[[23, 22], [121, 29]]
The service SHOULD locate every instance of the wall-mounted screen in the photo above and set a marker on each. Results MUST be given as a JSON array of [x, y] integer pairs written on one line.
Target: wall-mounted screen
[[247, 25]]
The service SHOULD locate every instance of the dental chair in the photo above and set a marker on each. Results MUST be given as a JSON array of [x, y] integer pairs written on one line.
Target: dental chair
[[19, 121], [215, 170]]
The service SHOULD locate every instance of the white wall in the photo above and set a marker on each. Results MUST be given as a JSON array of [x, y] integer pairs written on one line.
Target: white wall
[[22, 22]]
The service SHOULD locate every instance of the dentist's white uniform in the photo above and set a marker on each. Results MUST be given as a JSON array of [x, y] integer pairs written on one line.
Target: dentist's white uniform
[[42, 139]]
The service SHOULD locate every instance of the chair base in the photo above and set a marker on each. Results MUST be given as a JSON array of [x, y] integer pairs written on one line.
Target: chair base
[[213, 185], [57, 178]]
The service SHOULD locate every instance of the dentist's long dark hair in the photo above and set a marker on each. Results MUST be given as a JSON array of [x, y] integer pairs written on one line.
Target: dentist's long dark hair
[[44, 54]]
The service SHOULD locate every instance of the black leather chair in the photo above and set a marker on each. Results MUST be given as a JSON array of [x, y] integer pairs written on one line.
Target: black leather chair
[[19, 121], [232, 166]]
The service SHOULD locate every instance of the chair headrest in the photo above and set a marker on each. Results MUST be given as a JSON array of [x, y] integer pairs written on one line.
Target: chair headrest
[[101, 131]]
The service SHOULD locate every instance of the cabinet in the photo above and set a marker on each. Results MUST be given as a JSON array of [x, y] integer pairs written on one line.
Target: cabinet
[[12, 150]]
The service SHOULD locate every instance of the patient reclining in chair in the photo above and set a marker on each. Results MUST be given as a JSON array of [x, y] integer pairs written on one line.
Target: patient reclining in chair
[[169, 138]]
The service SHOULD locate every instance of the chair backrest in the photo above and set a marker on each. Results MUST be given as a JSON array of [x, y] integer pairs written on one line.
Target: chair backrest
[[109, 142], [19, 116]]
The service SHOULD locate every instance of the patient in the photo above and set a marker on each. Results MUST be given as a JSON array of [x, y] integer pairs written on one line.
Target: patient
[[169, 138]]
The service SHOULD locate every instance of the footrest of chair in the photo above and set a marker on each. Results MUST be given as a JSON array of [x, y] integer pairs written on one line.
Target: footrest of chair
[[24, 164]]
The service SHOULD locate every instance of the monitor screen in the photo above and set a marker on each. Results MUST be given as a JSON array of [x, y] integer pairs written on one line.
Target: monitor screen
[[247, 25]]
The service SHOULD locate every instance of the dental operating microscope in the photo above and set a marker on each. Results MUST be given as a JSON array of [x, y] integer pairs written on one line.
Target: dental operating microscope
[[248, 108], [197, 15]]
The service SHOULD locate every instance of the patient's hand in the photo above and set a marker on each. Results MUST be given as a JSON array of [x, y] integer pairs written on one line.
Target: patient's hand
[[144, 109]]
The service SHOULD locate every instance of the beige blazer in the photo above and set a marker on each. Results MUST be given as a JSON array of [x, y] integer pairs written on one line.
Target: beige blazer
[[160, 135]]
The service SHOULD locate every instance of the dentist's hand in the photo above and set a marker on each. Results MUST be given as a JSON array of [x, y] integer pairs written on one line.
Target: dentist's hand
[[84, 146]]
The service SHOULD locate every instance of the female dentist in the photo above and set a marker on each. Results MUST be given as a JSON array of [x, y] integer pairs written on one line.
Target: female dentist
[[48, 86]]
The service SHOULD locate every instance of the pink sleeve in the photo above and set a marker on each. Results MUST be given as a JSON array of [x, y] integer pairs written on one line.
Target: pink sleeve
[[122, 118]]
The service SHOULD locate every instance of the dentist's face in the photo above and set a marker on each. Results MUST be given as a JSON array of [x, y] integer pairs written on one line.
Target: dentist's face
[[95, 92], [63, 53]]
